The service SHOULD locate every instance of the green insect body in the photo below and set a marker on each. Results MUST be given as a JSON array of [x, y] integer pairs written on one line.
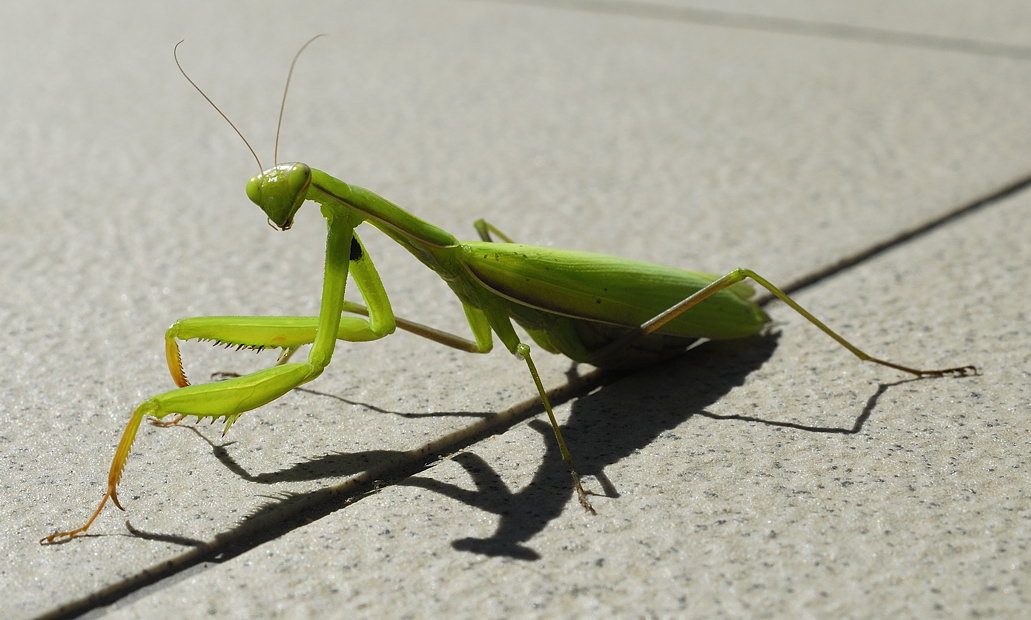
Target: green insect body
[[604, 310]]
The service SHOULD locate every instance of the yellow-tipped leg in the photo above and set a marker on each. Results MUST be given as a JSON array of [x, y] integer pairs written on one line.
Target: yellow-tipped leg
[[61, 537], [227, 399], [114, 474]]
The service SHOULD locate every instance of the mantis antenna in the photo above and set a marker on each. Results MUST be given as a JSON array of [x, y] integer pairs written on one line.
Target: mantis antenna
[[282, 104], [175, 55]]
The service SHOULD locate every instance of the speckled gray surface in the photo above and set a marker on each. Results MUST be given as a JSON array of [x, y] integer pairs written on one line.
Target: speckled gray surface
[[770, 478]]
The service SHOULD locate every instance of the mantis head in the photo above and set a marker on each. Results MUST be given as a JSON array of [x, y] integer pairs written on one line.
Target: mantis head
[[279, 191]]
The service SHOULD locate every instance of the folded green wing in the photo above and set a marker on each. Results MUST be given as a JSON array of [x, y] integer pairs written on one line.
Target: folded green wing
[[610, 289]]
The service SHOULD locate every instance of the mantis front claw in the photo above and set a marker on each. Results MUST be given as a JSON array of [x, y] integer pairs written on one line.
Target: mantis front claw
[[226, 399]]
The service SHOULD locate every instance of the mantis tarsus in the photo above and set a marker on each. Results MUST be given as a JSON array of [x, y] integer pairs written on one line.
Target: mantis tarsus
[[603, 310]]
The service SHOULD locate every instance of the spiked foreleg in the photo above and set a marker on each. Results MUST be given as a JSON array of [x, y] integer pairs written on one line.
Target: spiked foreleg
[[226, 399]]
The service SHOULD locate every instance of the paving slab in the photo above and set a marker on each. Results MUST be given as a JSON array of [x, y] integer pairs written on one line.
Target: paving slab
[[777, 481], [662, 140]]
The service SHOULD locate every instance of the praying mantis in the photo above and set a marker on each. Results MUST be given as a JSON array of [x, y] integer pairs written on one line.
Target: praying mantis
[[603, 310]]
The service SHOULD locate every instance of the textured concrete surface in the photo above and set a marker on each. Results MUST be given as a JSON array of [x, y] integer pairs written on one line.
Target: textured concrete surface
[[772, 477]]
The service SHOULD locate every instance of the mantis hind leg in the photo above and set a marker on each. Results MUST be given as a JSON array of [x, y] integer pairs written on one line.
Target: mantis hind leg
[[656, 323]]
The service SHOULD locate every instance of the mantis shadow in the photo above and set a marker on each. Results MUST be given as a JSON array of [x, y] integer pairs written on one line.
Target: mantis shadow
[[629, 411], [601, 432], [626, 414]]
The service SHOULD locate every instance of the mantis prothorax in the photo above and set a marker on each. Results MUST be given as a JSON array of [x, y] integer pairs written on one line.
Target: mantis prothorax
[[603, 310]]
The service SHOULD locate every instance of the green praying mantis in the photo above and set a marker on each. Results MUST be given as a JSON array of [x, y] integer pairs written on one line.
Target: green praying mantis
[[603, 310]]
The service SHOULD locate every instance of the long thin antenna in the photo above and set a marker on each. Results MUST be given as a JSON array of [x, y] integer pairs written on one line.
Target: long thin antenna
[[282, 104], [208, 99]]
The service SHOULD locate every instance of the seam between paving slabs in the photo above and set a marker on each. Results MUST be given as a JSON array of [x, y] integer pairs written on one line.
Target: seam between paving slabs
[[783, 25], [297, 510]]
